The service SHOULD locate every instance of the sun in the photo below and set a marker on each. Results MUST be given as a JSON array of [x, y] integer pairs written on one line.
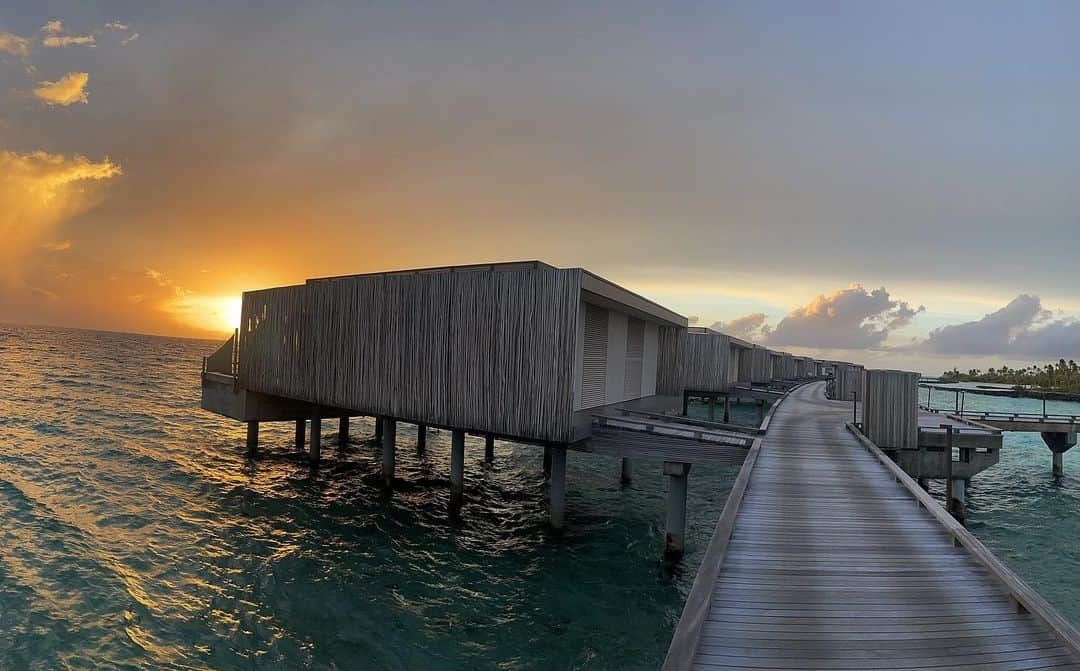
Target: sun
[[219, 314], [231, 312]]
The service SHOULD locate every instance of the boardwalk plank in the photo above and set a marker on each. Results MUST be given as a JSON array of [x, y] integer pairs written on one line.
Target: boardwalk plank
[[832, 565]]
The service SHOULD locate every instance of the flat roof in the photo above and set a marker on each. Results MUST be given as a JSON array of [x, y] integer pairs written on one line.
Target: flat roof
[[591, 283]]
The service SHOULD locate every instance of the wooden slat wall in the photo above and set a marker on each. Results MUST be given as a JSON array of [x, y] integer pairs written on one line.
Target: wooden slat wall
[[670, 371], [891, 408], [761, 366], [271, 342], [787, 366], [746, 364], [706, 358], [482, 350], [848, 378]]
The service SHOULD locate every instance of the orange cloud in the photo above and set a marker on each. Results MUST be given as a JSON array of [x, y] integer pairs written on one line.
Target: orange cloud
[[39, 190], [15, 45], [61, 246], [68, 90], [61, 41], [53, 27]]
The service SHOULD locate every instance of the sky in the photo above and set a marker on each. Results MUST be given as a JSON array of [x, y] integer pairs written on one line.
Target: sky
[[893, 183]]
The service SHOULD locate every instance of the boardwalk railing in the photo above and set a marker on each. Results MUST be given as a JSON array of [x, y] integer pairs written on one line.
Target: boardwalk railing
[[1025, 598], [684, 643], [1016, 416]]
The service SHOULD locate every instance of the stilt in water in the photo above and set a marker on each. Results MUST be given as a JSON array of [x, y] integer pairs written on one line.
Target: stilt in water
[[457, 471], [252, 438], [389, 447], [675, 538], [301, 427], [314, 449], [421, 437], [1059, 443], [727, 409], [547, 462], [343, 431], [489, 448], [959, 499], [624, 478], [557, 487]]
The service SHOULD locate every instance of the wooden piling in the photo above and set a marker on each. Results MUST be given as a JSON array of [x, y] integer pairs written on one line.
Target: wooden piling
[[457, 470], [315, 446], [299, 438], [343, 431], [558, 487], [252, 438], [625, 477], [421, 437], [489, 448], [675, 536], [389, 447]]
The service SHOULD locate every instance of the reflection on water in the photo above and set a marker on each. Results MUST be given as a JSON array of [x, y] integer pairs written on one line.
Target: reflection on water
[[133, 533]]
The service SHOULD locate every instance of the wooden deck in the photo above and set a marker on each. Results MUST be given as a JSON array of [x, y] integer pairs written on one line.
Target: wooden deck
[[826, 558]]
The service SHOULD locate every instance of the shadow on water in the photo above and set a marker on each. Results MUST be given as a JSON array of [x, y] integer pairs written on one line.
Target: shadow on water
[[136, 533]]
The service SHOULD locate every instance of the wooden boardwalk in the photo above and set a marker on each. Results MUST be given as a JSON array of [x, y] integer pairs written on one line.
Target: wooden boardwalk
[[828, 562]]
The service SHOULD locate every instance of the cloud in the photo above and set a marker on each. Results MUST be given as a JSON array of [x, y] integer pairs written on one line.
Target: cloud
[[748, 327], [39, 190], [116, 25], [53, 27], [15, 45], [1023, 328], [851, 318], [61, 41], [61, 246], [68, 90], [74, 288], [129, 39]]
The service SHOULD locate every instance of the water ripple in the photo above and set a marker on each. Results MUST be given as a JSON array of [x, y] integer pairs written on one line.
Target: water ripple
[[136, 535]]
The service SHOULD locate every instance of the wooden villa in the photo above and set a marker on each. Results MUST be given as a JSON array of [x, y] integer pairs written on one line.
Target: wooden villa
[[523, 351]]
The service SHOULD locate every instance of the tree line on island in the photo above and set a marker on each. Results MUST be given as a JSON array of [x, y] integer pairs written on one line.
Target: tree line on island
[[1063, 376]]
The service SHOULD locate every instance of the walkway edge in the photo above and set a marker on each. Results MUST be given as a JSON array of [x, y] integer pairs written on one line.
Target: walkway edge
[[1025, 598], [684, 642]]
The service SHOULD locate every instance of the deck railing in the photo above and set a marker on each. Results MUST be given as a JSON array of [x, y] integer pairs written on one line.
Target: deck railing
[[226, 359]]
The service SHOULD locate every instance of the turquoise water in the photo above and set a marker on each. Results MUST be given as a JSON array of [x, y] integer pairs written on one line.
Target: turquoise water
[[134, 534], [1017, 508]]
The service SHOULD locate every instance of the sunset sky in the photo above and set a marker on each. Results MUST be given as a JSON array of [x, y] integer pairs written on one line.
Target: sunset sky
[[897, 183]]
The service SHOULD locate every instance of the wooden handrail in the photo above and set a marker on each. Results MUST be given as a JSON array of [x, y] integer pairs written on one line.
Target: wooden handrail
[[684, 642], [1025, 597]]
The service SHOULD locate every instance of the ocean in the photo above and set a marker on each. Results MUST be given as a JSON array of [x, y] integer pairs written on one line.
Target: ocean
[[134, 534]]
